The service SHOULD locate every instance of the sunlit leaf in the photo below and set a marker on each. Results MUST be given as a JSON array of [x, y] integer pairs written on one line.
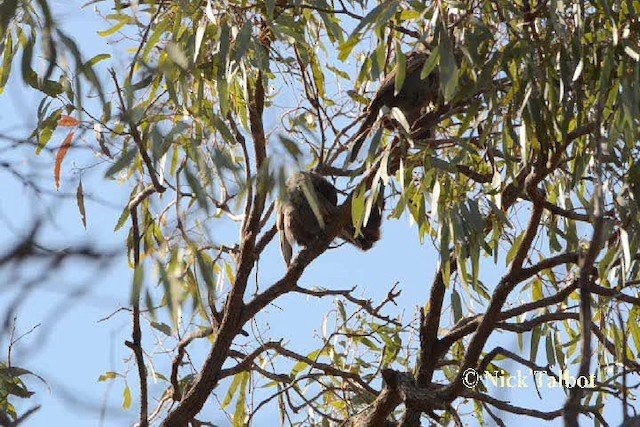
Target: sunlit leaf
[[111, 31], [108, 376], [96, 60], [127, 399], [202, 27], [233, 388]]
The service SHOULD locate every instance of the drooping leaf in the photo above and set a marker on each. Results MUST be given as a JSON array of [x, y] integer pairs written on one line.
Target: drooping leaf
[[62, 153], [80, 203], [401, 69], [448, 67], [127, 399]]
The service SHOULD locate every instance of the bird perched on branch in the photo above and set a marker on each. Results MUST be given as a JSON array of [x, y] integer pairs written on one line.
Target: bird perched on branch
[[414, 97], [631, 422], [310, 204]]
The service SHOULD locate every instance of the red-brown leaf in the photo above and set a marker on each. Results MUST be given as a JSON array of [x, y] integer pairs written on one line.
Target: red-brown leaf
[[60, 158], [68, 122]]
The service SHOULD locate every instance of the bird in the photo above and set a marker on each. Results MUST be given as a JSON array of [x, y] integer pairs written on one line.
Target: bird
[[309, 204], [631, 422], [413, 99]]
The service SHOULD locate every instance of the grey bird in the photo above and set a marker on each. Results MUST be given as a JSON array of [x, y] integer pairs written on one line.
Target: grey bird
[[310, 204], [414, 98], [631, 422]]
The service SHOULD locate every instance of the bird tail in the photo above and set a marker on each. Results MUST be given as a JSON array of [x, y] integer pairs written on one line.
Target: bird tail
[[369, 233]]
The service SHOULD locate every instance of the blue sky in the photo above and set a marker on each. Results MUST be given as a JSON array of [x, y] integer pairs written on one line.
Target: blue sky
[[72, 348]]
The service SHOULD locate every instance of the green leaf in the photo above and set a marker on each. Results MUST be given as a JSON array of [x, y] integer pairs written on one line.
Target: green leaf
[[223, 95], [241, 404], [430, 63], [47, 127], [457, 305], [535, 340], [197, 188], [169, 293], [221, 127], [291, 146], [111, 31], [338, 72], [155, 38], [298, 367], [162, 327], [136, 288], [5, 71], [537, 291], [368, 343], [243, 41], [634, 319], [80, 204], [17, 389], [401, 70], [341, 310], [205, 263], [13, 371], [357, 97], [122, 220], [551, 359], [357, 207], [96, 60], [560, 357], [387, 7], [49, 87], [448, 67], [124, 161], [108, 376], [223, 53], [445, 252], [346, 48], [318, 76], [514, 248], [28, 75], [237, 380]]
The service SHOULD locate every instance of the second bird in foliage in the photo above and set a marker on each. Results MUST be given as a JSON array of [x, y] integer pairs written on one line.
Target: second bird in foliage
[[414, 98]]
